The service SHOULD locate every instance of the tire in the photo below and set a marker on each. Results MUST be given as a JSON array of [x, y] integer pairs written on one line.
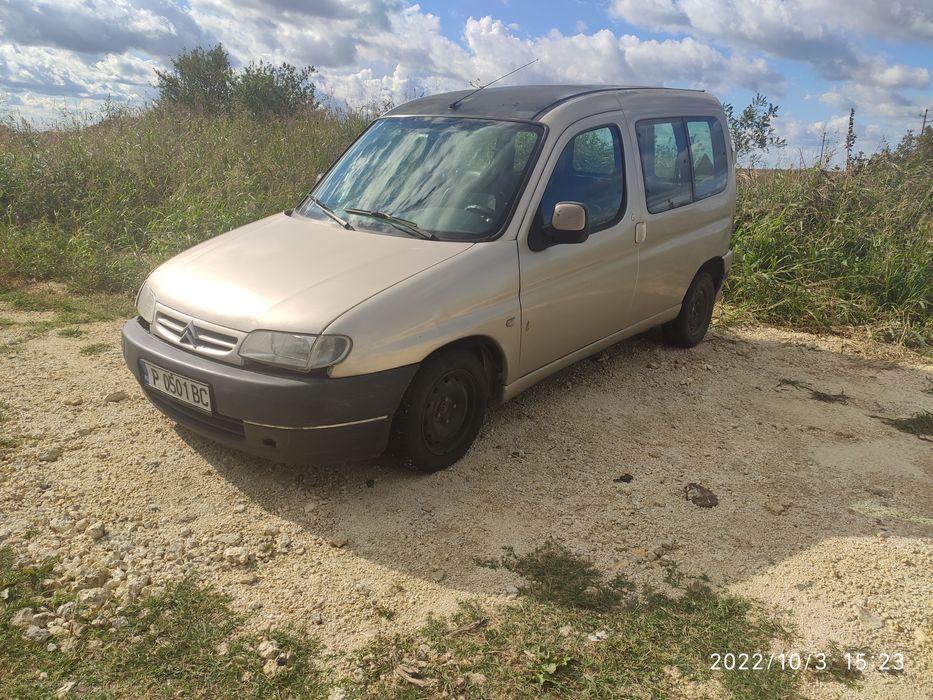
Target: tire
[[442, 411], [696, 312]]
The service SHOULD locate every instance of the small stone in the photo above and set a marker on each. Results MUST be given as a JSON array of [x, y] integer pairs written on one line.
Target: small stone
[[775, 508], [598, 636], [920, 637], [624, 479], [869, 619], [116, 397], [654, 365], [51, 455], [438, 575], [270, 531], [700, 496], [317, 619], [474, 678], [337, 694], [272, 667], [222, 649], [22, 618], [66, 689], [370, 483], [248, 579], [310, 507], [52, 646], [93, 597], [707, 367], [255, 605], [520, 454], [880, 491], [36, 635], [511, 591], [237, 555], [95, 531], [338, 542], [565, 631], [268, 649], [283, 543], [239, 508], [73, 401]]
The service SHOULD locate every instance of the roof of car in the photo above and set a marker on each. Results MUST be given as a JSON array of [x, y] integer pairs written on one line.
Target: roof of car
[[528, 102]]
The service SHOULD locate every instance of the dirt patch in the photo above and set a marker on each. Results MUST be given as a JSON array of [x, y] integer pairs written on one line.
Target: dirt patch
[[821, 509]]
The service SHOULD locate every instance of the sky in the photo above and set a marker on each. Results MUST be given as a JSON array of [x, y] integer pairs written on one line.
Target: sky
[[816, 59]]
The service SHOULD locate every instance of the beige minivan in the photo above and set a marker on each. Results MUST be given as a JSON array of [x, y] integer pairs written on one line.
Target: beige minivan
[[464, 247]]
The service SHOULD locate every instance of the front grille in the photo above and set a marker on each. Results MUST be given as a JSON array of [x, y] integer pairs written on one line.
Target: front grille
[[192, 334], [184, 414]]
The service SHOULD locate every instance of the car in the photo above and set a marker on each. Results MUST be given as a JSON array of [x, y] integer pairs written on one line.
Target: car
[[464, 247]]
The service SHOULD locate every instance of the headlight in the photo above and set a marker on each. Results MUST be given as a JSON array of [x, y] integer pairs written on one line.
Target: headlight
[[145, 303], [294, 351]]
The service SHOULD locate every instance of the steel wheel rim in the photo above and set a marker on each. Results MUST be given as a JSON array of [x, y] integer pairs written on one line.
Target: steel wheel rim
[[699, 307], [446, 414]]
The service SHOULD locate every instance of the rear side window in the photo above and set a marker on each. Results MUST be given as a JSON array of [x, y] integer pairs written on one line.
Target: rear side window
[[589, 171], [662, 144], [707, 155]]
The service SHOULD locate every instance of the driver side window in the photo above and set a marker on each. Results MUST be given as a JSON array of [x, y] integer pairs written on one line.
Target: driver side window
[[589, 171]]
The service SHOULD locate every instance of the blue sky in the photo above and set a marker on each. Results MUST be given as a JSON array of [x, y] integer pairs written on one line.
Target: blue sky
[[815, 58]]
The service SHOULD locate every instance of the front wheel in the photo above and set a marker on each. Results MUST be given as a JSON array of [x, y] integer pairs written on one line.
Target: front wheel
[[442, 411], [696, 312]]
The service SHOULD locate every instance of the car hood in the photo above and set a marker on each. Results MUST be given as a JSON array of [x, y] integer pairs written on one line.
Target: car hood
[[289, 273]]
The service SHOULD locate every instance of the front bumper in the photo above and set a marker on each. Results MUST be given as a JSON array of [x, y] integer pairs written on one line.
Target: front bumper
[[286, 418]]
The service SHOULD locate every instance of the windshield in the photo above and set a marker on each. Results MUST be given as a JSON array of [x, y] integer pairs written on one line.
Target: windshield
[[454, 178]]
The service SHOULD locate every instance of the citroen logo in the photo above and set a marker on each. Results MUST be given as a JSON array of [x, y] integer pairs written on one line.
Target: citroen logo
[[189, 336]]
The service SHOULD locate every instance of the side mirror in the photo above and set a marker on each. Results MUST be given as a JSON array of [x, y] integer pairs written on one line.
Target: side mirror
[[570, 223]]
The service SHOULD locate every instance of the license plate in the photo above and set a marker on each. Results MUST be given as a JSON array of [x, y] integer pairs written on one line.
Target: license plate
[[196, 394]]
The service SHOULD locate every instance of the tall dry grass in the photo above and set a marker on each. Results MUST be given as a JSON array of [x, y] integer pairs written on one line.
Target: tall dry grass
[[97, 206], [824, 250]]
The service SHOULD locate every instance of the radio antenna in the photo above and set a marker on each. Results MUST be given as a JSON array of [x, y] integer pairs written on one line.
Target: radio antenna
[[456, 103]]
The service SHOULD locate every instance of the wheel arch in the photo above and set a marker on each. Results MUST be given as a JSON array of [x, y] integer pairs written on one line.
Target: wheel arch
[[490, 353]]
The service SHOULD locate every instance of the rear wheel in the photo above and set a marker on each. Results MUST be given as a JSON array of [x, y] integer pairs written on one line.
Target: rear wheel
[[442, 411], [696, 312]]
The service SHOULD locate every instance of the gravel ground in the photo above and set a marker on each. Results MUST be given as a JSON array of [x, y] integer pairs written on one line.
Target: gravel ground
[[824, 511]]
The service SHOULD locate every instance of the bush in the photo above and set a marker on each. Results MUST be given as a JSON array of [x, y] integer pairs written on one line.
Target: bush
[[204, 81]]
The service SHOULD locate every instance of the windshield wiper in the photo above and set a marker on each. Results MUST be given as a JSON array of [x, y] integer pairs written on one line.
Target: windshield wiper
[[330, 212], [401, 224]]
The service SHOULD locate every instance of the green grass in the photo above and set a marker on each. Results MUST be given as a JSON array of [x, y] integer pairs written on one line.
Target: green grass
[[95, 348], [168, 648], [578, 635]]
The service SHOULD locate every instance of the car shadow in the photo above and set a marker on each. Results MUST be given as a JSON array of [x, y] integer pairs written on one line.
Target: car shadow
[[736, 415]]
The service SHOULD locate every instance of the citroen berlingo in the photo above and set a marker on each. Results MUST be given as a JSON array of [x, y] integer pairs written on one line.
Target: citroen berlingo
[[464, 247]]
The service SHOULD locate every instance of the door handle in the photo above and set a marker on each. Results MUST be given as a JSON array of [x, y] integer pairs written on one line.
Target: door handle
[[640, 232]]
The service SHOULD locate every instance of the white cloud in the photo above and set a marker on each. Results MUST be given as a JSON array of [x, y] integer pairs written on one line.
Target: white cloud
[[811, 31]]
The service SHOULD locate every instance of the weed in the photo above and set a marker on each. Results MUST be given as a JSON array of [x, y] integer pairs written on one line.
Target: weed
[[71, 332], [553, 574], [95, 348], [6, 322], [793, 383], [9, 442]]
